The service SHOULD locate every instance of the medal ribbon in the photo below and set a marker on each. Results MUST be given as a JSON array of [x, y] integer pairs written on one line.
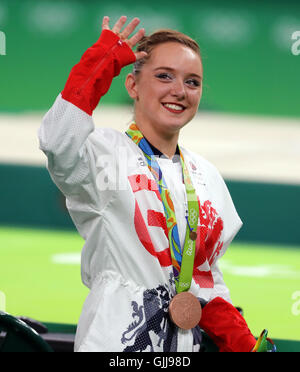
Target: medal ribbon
[[182, 261]]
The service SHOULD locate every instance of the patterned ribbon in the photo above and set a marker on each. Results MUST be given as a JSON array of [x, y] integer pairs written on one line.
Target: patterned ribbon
[[182, 261]]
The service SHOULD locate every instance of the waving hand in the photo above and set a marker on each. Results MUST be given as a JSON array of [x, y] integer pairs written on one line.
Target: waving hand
[[124, 34]]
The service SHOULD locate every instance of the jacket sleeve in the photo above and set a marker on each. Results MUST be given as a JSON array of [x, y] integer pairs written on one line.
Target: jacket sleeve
[[91, 78], [67, 131], [226, 327]]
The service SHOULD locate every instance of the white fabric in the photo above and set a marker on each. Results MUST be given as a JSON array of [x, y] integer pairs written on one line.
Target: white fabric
[[97, 170]]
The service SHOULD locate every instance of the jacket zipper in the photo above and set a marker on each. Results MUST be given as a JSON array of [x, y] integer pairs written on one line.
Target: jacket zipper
[[78, 91]]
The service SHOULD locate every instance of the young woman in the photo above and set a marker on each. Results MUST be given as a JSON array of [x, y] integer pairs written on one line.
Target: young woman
[[155, 217]]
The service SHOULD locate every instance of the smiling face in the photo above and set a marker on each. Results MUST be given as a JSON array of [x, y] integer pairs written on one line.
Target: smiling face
[[168, 89]]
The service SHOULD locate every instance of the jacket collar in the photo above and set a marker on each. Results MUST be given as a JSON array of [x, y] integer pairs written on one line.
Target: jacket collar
[[158, 153]]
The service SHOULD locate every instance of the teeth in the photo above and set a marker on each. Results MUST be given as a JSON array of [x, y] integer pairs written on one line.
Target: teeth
[[173, 106]]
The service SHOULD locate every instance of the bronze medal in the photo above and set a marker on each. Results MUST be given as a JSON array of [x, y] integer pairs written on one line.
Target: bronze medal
[[185, 310], [193, 235]]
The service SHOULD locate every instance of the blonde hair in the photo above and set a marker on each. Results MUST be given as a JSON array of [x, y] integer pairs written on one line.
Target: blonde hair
[[148, 43]]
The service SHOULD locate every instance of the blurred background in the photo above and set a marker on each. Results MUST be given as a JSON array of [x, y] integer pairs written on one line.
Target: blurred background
[[248, 125]]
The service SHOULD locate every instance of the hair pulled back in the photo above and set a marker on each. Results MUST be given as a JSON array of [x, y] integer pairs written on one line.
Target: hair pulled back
[[148, 43]]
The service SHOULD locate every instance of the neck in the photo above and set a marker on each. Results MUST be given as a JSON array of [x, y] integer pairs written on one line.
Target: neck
[[164, 142]]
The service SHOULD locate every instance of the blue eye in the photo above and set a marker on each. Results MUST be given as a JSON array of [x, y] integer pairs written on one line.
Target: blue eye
[[193, 82], [164, 76]]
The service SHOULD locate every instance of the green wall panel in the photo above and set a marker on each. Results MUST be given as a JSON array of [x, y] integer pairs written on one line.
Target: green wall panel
[[246, 48]]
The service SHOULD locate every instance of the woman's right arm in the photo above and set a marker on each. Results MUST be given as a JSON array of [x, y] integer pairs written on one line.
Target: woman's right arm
[[66, 127], [91, 78]]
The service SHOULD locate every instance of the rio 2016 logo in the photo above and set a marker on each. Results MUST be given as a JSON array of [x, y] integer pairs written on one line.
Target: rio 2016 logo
[[2, 44], [295, 49]]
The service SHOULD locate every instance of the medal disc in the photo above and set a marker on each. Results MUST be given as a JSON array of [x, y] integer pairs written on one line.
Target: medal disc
[[193, 235], [185, 310]]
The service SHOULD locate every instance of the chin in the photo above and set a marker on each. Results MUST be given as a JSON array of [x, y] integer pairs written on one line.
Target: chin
[[172, 128], [177, 124]]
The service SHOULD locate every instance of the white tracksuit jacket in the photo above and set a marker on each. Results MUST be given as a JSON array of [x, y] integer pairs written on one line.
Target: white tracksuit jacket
[[112, 198]]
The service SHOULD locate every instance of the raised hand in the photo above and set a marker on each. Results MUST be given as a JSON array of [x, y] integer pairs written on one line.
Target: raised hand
[[126, 32]]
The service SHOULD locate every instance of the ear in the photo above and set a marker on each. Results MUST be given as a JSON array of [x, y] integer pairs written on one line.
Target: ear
[[131, 86]]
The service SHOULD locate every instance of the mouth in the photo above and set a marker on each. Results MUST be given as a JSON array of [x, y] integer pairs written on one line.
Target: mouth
[[175, 108]]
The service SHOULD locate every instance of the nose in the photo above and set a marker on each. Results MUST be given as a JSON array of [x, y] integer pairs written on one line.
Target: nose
[[178, 89]]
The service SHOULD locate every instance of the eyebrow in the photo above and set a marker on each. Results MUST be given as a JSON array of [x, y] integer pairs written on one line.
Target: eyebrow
[[172, 69]]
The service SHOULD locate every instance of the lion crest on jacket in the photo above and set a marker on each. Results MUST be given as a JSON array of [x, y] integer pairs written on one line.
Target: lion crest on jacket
[[151, 326]]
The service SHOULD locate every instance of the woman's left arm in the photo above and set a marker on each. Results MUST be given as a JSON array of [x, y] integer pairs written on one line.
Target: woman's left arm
[[220, 288]]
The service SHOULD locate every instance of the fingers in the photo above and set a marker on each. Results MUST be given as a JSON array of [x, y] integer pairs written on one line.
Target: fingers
[[119, 24], [129, 28], [136, 38], [140, 55], [105, 23]]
